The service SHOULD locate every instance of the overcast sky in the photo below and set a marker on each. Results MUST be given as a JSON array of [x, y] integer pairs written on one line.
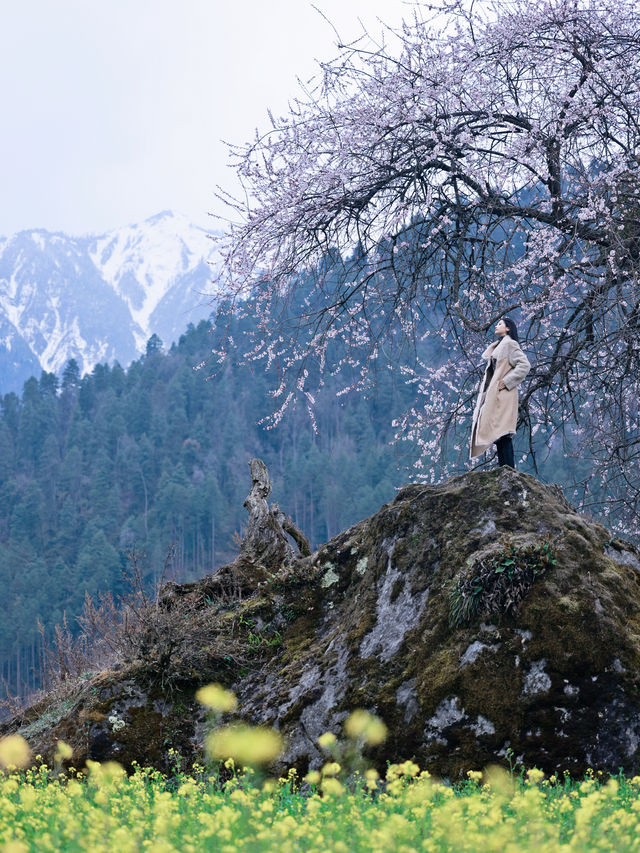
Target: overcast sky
[[113, 111]]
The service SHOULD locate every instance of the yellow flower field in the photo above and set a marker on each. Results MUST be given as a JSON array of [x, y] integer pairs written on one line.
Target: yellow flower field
[[342, 807], [408, 811]]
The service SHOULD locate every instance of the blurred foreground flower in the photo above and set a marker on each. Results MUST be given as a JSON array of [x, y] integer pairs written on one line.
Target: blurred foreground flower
[[63, 751], [106, 774], [247, 745], [362, 724], [217, 698], [312, 777], [14, 751], [332, 787], [372, 777], [327, 740], [499, 780]]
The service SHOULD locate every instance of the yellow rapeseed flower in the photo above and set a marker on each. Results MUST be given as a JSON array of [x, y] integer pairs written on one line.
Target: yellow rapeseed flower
[[611, 788], [63, 751], [14, 751], [313, 806], [535, 776], [331, 787], [105, 774], [74, 789], [188, 788], [421, 792], [362, 724], [217, 698], [408, 768], [497, 778], [240, 797], [395, 787], [371, 777], [247, 745], [327, 740], [312, 777], [28, 796]]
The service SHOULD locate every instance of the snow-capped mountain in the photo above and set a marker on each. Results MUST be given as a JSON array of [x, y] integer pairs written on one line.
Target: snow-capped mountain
[[99, 298]]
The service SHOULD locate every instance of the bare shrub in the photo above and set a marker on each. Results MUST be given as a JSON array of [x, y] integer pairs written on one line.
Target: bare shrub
[[175, 633]]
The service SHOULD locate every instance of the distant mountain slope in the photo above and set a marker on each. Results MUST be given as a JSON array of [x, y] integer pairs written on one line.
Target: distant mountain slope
[[17, 361], [99, 298]]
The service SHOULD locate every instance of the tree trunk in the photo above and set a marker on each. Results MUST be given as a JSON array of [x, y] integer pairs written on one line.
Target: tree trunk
[[265, 548]]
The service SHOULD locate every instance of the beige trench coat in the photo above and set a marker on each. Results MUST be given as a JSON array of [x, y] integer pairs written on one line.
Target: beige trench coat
[[496, 412]]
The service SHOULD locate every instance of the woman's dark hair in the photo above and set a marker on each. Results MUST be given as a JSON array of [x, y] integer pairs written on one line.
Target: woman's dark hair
[[511, 326]]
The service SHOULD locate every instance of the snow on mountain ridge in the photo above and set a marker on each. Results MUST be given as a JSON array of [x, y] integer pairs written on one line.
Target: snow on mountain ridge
[[154, 254], [100, 297]]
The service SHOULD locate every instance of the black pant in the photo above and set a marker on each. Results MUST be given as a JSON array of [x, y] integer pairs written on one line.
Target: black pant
[[505, 451]]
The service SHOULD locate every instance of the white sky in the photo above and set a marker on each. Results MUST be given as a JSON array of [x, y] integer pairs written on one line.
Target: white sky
[[113, 111]]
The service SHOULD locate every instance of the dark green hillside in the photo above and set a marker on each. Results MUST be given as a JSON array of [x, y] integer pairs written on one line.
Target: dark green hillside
[[154, 456]]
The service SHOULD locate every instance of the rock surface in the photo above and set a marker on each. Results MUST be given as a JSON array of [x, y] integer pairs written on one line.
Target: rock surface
[[365, 622]]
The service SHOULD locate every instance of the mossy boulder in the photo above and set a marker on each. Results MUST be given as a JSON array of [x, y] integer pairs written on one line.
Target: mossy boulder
[[366, 621]]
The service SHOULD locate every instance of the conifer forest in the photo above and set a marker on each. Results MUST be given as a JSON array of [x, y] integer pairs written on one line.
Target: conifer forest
[[152, 461]]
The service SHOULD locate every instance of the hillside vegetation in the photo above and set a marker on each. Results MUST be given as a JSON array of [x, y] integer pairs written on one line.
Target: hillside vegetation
[[154, 457]]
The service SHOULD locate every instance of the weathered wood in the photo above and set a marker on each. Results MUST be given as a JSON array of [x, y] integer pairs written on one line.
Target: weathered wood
[[288, 525], [266, 547]]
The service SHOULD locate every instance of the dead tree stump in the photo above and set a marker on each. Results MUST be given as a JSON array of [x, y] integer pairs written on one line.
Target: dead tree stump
[[266, 548]]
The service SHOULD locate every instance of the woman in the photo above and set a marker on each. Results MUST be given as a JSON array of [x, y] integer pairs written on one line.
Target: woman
[[496, 413]]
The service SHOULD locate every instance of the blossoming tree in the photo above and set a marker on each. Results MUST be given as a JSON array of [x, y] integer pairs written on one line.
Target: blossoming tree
[[478, 163]]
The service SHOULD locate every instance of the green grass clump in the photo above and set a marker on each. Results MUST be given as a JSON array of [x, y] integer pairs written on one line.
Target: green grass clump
[[497, 583]]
